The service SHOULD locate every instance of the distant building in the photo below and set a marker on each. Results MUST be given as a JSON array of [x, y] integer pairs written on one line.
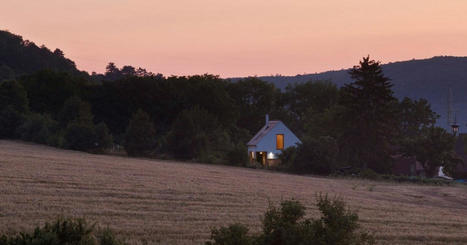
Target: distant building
[[268, 143]]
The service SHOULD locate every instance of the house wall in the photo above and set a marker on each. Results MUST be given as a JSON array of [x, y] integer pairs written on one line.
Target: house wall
[[268, 142]]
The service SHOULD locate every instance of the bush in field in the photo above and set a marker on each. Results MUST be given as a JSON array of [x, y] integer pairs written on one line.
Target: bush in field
[[140, 137], [286, 225], [63, 231]]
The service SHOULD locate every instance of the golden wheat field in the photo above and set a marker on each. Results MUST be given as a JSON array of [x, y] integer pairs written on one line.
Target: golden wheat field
[[166, 202]]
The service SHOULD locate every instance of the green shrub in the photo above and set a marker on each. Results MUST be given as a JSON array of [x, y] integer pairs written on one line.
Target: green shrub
[[236, 234], [286, 225], [287, 157], [238, 155], [369, 174], [63, 231]]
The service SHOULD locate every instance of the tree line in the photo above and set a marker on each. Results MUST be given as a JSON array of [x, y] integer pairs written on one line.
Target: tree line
[[209, 119]]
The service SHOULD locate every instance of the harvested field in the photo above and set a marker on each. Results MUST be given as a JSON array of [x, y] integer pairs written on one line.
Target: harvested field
[[177, 203]]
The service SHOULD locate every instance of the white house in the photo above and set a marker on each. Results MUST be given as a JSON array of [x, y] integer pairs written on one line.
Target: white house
[[268, 143]]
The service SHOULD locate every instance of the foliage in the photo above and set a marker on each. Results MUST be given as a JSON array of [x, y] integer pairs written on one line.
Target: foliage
[[434, 147], [369, 174], [13, 94], [63, 231], [9, 121], [104, 139], [203, 117], [71, 110], [304, 101], [80, 133], [238, 155], [318, 156], [235, 234], [13, 106], [286, 225], [253, 99], [19, 57], [140, 136], [414, 115], [47, 90], [196, 134], [369, 117], [287, 158], [40, 129], [338, 224]]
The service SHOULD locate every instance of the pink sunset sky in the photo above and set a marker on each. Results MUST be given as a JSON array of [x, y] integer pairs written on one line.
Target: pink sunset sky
[[240, 37]]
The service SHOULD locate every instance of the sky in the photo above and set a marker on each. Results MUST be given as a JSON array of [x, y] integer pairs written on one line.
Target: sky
[[234, 38]]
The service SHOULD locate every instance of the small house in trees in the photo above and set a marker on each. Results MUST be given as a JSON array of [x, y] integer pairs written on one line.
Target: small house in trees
[[268, 143]]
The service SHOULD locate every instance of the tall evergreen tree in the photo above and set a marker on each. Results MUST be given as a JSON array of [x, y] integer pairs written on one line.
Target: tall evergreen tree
[[369, 120]]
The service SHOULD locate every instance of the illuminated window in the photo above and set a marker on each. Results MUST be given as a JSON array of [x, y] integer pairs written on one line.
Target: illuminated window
[[279, 141]]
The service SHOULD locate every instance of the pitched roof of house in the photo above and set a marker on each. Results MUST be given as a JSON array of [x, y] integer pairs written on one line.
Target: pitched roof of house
[[263, 132]]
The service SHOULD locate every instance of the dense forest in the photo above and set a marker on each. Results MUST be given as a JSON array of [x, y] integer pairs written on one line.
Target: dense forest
[[430, 79], [45, 99]]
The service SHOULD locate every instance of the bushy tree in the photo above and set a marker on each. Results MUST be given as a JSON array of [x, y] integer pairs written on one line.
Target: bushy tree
[[13, 94], [433, 147], [313, 155], [80, 133], [196, 135], [238, 155], [71, 110], [9, 121], [253, 99], [286, 224], [308, 102], [414, 116], [104, 139], [13, 107], [140, 136], [369, 117], [47, 90], [235, 234], [40, 129]]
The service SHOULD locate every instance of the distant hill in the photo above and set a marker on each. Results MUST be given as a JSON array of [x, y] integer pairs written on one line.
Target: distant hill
[[425, 78], [19, 57]]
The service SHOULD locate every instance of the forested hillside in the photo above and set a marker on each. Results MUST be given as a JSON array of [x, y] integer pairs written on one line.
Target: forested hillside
[[205, 118], [19, 57], [425, 78]]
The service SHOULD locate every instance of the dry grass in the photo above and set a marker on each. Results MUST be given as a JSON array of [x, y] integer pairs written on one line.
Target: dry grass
[[177, 203]]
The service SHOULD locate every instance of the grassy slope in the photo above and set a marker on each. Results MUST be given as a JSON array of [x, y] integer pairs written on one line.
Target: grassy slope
[[177, 203]]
